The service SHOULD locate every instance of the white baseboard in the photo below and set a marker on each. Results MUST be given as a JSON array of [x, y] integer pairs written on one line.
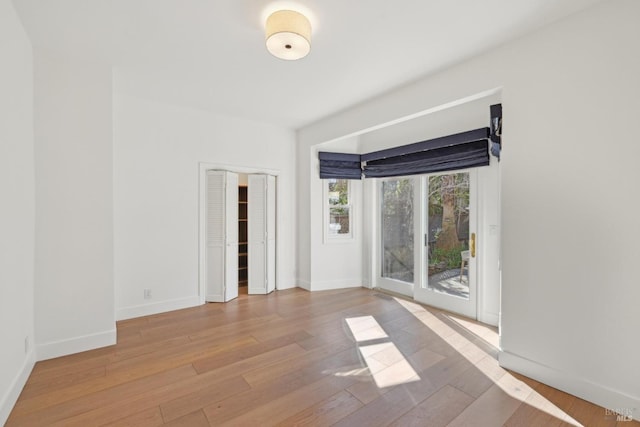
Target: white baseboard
[[157, 307], [76, 345], [489, 318], [596, 393], [11, 396], [304, 284], [281, 287], [334, 284]]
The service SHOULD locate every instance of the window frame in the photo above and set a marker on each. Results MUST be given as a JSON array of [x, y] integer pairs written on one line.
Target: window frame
[[330, 237]]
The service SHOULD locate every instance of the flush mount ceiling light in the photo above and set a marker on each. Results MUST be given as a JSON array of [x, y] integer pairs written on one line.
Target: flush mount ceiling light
[[288, 35]]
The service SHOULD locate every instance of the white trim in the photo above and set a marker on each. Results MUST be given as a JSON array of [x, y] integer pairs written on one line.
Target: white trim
[[282, 287], [464, 100], [157, 307], [488, 245], [596, 393], [76, 345], [11, 396], [488, 318], [327, 285], [304, 284], [202, 216], [395, 286]]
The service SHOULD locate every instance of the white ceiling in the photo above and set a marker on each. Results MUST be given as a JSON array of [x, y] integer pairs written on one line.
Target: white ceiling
[[210, 53]]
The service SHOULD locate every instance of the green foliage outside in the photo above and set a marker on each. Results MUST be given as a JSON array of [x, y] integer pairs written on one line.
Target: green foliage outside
[[341, 187], [447, 258]]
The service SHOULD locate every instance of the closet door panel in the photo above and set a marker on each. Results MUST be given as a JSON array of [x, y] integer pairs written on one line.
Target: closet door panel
[[257, 229], [215, 235], [231, 243], [221, 268], [271, 233]]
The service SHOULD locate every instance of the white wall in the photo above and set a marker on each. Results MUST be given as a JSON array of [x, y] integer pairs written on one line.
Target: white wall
[[157, 151], [303, 214], [17, 208], [571, 100], [74, 301], [335, 263]]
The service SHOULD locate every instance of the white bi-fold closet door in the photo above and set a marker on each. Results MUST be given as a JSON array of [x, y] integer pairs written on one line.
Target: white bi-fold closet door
[[261, 199], [221, 267], [221, 270]]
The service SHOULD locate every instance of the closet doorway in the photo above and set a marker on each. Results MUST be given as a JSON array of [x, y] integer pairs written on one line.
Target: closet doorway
[[237, 232]]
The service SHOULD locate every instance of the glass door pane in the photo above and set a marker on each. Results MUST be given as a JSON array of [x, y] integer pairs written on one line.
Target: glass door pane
[[448, 264], [448, 225], [397, 248]]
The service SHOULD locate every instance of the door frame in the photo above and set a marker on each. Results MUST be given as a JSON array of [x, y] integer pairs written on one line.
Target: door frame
[[487, 240], [203, 167]]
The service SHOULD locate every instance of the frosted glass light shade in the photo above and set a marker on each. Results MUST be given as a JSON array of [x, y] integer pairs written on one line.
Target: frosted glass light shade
[[288, 35]]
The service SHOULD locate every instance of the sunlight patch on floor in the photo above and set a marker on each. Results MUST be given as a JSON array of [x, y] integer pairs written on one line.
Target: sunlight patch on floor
[[384, 362], [365, 328], [510, 385]]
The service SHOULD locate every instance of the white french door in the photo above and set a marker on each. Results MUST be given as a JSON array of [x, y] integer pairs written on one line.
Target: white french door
[[447, 250], [428, 233]]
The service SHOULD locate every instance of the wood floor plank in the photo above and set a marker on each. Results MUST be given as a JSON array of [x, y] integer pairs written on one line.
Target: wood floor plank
[[263, 393], [46, 372], [291, 358], [59, 381], [437, 410], [116, 375], [366, 390], [326, 412], [198, 399], [495, 406], [280, 408], [39, 412], [381, 411], [209, 363], [194, 419], [536, 412], [176, 356], [295, 362], [478, 378], [142, 348], [190, 388], [151, 417]]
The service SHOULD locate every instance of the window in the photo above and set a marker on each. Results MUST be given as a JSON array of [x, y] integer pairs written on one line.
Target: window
[[338, 208]]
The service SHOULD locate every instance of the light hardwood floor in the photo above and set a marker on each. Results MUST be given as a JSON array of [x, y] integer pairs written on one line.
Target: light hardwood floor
[[348, 358]]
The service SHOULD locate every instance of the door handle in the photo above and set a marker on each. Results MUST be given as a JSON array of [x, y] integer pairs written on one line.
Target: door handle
[[472, 245]]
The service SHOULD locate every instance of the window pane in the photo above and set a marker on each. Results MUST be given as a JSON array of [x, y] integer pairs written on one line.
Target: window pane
[[339, 208], [339, 220], [397, 229], [448, 256], [338, 192]]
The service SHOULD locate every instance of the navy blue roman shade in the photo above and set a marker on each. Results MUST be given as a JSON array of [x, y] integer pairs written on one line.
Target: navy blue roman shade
[[468, 155], [459, 151], [339, 165], [462, 150]]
